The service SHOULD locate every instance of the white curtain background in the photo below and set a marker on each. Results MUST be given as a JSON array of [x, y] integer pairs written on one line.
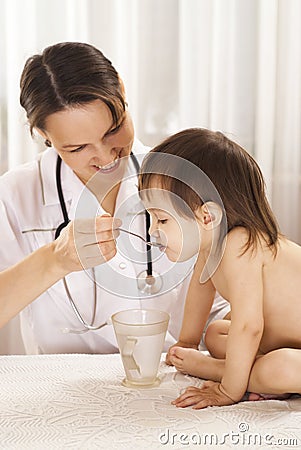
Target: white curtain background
[[231, 65]]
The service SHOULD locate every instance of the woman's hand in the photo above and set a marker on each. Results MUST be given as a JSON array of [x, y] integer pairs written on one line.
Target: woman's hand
[[86, 243], [210, 394], [179, 344]]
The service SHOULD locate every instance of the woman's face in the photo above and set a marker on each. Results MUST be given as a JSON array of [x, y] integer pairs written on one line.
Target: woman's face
[[87, 141]]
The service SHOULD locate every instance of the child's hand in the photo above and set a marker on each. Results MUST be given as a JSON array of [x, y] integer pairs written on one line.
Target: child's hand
[[179, 344], [209, 394]]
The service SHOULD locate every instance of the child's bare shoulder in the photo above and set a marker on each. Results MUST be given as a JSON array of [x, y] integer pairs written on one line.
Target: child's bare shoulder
[[236, 239], [238, 260], [236, 246]]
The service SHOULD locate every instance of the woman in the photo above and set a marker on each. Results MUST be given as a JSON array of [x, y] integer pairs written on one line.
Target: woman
[[75, 100]]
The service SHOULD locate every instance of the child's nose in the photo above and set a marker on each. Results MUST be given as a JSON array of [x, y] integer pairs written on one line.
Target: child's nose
[[153, 230]]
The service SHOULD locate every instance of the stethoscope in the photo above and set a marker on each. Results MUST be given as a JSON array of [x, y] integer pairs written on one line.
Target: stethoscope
[[148, 282]]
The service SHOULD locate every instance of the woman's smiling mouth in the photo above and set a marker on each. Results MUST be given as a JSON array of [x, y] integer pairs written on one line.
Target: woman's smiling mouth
[[109, 167]]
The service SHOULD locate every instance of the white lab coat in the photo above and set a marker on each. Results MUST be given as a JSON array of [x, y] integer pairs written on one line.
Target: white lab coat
[[30, 212]]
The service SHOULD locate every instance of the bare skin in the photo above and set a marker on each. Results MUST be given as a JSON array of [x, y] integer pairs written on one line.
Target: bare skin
[[264, 335], [197, 364], [216, 342], [262, 285]]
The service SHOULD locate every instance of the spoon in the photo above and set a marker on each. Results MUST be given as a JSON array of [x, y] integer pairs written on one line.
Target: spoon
[[151, 244]]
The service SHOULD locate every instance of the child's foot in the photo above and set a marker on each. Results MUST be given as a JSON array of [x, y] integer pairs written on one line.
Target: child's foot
[[254, 397], [189, 361]]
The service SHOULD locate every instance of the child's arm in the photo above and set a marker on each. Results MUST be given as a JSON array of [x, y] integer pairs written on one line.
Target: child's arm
[[198, 304], [240, 279], [244, 280]]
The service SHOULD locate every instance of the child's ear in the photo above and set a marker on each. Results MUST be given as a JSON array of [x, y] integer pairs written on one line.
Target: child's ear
[[210, 215]]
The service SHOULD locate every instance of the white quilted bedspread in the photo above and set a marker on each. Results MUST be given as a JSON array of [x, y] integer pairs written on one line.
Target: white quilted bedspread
[[78, 402]]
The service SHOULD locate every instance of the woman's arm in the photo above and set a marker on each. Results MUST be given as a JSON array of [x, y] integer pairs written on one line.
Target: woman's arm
[[82, 244], [26, 280]]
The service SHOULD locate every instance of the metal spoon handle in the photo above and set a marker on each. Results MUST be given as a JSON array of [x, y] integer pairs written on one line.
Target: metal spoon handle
[[151, 244]]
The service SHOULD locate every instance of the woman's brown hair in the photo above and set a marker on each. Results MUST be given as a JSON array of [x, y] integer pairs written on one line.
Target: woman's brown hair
[[233, 172], [68, 74]]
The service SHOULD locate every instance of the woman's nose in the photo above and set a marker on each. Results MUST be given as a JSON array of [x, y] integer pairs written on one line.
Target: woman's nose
[[105, 154]]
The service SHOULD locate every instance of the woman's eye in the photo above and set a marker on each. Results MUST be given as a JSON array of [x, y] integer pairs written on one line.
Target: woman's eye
[[114, 130], [162, 221], [78, 149]]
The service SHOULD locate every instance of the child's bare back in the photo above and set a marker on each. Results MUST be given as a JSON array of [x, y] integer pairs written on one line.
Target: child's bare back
[[282, 298], [281, 288]]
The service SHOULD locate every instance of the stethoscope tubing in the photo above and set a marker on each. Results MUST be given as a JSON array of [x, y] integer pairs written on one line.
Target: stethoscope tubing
[[149, 261], [61, 197], [149, 271], [67, 220]]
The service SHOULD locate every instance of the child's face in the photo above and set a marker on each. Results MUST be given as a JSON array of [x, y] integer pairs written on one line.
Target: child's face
[[180, 235]]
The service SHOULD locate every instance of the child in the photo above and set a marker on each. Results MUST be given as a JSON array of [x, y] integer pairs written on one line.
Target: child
[[241, 254]]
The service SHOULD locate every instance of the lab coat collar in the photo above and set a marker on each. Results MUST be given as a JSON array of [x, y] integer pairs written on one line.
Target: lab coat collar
[[128, 191], [70, 183]]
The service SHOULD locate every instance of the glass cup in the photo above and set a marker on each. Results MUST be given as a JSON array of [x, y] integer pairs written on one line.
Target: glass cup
[[140, 335]]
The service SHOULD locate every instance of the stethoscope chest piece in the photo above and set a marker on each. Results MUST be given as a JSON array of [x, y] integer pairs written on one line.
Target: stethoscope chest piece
[[149, 284]]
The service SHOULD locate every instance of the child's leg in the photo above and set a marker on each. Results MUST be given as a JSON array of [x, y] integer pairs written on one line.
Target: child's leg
[[220, 311], [195, 363], [277, 372], [216, 338]]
